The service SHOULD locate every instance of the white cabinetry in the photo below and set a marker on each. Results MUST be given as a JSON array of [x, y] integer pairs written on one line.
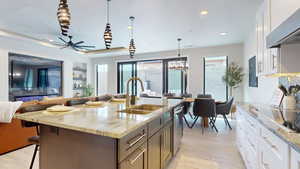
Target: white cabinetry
[[295, 159], [259, 147], [281, 10], [263, 28], [270, 15]]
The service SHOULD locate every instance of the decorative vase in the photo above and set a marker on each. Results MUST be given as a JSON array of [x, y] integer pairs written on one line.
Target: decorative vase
[[289, 102]]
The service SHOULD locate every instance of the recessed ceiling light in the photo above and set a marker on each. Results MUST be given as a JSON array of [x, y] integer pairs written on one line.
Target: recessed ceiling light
[[223, 33], [51, 40], [204, 12]]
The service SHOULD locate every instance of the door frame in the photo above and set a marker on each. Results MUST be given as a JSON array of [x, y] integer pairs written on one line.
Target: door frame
[[164, 72]]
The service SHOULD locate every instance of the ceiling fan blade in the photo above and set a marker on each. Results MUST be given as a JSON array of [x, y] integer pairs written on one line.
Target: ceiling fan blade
[[78, 43], [62, 39], [84, 46], [77, 50], [99, 51]]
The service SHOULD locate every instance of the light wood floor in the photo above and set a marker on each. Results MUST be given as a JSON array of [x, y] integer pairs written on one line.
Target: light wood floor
[[210, 150], [207, 151]]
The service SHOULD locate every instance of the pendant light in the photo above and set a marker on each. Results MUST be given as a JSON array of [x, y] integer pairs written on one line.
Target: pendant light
[[64, 17], [107, 33], [180, 64], [131, 44]]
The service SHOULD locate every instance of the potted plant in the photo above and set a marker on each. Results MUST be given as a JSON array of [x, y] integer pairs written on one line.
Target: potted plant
[[87, 90], [233, 77], [289, 101]]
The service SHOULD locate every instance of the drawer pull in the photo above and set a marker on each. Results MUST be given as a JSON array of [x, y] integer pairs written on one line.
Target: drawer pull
[[132, 143], [266, 165], [270, 143], [137, 157]]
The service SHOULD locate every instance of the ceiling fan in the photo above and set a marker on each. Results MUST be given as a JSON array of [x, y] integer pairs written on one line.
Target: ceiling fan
[[77, 46], [65, 44]]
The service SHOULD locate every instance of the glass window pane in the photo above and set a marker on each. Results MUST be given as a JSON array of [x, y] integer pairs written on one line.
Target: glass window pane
[[102, 79], [126, 72], [151, 74], [215, 68]]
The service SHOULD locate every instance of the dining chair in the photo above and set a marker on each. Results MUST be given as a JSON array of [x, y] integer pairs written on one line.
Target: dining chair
[[205, 108], [186, 95], [76, 102], [224, 110], [185, 111], [34, 139], [204, 96]]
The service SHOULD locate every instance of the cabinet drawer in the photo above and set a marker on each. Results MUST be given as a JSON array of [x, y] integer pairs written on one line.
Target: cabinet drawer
[[131, 142], [138, 159], [154, 126], [279, 150], [295, 159]]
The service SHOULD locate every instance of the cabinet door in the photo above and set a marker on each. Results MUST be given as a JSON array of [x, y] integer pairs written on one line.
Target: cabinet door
[[136, 160], [295, 159], [260, 40], [154, 151], [166, 144]]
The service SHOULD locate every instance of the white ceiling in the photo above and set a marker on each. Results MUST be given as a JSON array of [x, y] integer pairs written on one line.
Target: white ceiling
[[158, 22]]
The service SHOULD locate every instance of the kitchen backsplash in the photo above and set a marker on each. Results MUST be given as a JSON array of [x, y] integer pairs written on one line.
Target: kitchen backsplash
[[293, 81]]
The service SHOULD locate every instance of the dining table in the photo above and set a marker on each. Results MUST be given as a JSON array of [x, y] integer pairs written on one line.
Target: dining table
[[205, 120]]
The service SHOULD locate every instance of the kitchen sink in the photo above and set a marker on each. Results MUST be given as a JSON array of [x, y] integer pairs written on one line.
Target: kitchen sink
[[142, 109], [134, 111], [147, 107]]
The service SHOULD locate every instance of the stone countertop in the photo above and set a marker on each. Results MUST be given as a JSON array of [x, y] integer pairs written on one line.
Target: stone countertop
[[272, 119], [104, 121]]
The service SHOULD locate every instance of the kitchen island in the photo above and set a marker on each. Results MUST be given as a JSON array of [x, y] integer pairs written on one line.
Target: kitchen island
[[107, 137]]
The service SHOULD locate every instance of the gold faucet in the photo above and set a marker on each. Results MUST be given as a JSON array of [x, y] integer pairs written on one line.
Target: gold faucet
[[132, 99]]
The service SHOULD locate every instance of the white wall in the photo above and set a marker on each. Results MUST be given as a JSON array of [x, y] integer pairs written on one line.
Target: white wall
[[67, 68], [266, 85], [195, 59]]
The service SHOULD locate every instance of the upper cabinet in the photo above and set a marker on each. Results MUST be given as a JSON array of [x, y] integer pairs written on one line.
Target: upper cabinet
[[263, 28], [281, 10], [270, 15]]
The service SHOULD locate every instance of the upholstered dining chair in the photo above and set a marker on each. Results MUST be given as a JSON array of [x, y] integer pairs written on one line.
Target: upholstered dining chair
[[205, 108], [224, 110], [204, 96], [34, 139]]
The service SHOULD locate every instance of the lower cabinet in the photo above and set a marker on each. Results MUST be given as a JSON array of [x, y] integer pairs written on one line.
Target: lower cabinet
[[154, 151], [136, 160], [295, 159], [259, 147], [160, 148], [166, 144]]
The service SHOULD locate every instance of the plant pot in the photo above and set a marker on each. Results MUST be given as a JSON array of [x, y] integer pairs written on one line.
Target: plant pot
[[289, 102]]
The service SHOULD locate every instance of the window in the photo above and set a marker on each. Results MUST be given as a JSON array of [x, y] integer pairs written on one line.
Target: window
[[156, 76], [214, 70], [102, 79], [151, 73]]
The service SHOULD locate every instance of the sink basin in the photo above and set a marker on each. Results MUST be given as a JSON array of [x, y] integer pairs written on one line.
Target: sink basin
[[142, 109], [134, 111], [147, 107]]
